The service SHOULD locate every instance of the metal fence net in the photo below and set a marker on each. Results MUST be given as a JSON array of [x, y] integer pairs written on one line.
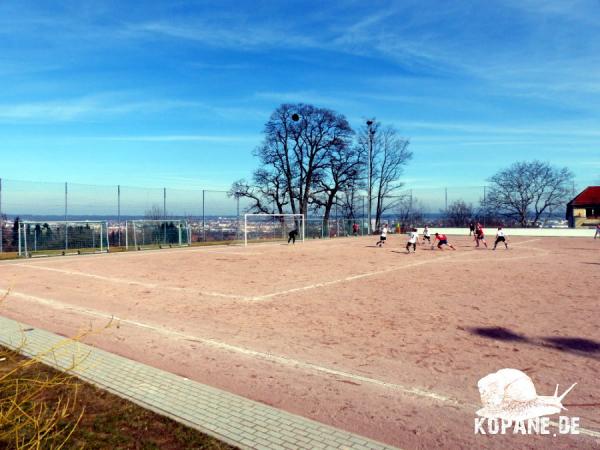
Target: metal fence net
[[217, 216], [27, 200], [91, 202]]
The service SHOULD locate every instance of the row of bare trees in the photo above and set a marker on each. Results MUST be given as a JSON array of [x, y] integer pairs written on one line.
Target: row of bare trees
[[312, 160], [523, 193]]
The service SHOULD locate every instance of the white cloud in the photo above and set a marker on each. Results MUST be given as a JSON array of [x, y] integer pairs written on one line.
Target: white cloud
[[85, 107], [223, 35], [185, 138], [546, 129]]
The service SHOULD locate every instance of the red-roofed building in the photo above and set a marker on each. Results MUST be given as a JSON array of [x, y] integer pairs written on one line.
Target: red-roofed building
[[584, 210]]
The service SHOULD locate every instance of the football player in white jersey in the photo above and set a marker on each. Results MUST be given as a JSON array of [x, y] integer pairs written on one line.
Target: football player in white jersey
[[413, 237], [501, 237]]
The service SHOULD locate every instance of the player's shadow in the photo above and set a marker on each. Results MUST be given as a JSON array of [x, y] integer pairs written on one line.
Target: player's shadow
[[499, 333], [594, 263], [574, 345]]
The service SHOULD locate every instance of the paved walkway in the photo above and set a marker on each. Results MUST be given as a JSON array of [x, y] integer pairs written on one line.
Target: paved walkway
[[228, 417]]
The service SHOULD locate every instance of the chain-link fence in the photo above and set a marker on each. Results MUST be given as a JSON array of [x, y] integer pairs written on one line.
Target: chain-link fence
[[217, 216], [211, 215]]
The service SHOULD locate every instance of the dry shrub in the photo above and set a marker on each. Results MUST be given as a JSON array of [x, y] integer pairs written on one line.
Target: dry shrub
[[38, 407], [28, 419]]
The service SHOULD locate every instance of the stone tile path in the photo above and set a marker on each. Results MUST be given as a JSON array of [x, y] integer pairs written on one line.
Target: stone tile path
[[228, 417]]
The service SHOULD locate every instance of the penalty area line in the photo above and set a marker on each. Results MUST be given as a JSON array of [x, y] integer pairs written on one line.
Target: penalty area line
[[133, 282], [281, 360]]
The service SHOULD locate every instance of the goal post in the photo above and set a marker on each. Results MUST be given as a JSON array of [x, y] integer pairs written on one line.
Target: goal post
[[146, 234], [272, 227], [45, 238]]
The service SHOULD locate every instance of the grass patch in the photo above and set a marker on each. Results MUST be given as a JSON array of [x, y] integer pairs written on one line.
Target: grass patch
[[43, 408], [8, 255]]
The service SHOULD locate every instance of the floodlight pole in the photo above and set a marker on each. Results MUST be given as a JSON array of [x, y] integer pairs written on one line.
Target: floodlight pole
[[237, 198], [165, 213], [66, 215], [203, 218], [118, 212], [371, 132]]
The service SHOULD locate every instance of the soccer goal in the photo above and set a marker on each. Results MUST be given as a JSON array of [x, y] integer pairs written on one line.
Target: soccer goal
[[272, 227], [149, 234], [62, 238]]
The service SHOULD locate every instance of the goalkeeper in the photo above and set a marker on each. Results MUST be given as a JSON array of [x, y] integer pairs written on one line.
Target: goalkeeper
[[292, 236]]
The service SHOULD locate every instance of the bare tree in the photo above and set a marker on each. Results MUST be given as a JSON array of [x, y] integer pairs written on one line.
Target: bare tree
[[322, 152], [300, 141], [389, 156], [276, 151], [525, 191], [268, 193], [459, 213]]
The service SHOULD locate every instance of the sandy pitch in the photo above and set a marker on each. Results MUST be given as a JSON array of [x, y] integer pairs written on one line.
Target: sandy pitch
[[371, 340]]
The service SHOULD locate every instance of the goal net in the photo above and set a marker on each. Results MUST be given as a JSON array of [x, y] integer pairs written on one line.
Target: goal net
[[60, 238], [146, 234], [272, 227]]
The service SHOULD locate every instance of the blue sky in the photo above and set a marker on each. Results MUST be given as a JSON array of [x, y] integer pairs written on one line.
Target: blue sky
[[176, 93]]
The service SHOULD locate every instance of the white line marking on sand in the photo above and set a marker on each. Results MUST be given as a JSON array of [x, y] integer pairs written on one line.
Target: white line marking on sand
[[272, 294], [524, 242], [135, 283], [282, 360], [233, 253], [342, 280]]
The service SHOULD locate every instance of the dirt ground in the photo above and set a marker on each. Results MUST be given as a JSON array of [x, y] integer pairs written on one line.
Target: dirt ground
[[372, 340]]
